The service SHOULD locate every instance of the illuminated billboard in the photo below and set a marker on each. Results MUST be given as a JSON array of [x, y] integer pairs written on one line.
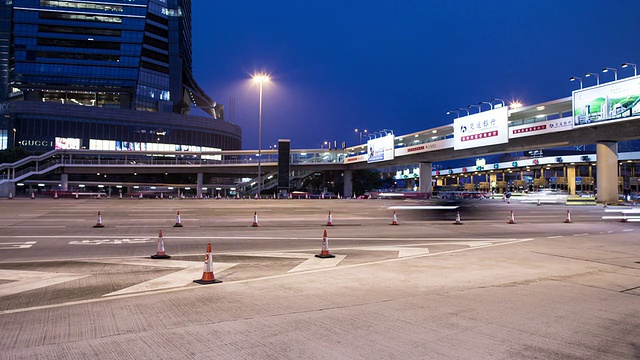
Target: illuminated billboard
[[67, 143], [481, 129], [380, 149], [611, 101]]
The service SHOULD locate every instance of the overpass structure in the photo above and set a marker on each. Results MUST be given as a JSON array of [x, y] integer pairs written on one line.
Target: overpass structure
[[590, 116]]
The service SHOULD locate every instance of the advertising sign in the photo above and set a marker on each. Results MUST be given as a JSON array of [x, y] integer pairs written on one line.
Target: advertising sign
[[67, 143], [380, 149], [481, 129], [611, 101], [541, 128]]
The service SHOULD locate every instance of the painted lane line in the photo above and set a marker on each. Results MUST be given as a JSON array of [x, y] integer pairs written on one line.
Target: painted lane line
[[585, 234], [263, 238], [625, 230], [554, 237], [30, 280], [112, 242]]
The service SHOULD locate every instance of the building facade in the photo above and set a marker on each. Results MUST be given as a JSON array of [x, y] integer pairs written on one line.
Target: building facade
[[104, 74]]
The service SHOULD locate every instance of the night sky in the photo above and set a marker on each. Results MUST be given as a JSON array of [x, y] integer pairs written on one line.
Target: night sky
[[399, 65]]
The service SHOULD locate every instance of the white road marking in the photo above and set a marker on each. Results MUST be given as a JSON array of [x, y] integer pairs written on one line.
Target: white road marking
[[554, 237], [30, 280], [483, 239], [315, 263], [16, 245], [191, 270], [585, 234], [625, 230], [402, 251], [228, 283], [112, 242]]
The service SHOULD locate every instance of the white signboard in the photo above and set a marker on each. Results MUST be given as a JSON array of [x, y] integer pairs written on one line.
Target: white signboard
[[611, 101], [481, 129], [380, 149], [541, 128], [67, 143]]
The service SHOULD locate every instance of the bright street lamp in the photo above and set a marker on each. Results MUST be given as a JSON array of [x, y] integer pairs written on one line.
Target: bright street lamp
[[454, 111], [594, 74], [574, 78], [360, 132], [496, 99], [615, 72], [464, 110], [260, 79], [14, 137], [635, 68]]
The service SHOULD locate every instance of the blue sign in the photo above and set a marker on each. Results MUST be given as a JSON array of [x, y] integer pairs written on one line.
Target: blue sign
[[578, 178]]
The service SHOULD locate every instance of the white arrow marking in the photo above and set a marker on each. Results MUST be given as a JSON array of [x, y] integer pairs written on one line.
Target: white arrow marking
[[31, 280], [111, 242], [191, 270], [16, 245]]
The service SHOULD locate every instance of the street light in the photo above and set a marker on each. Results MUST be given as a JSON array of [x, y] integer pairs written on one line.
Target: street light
[[454, 111], [635, 68], [360, 132], [574, 78], [14, 137], [615, 72], [478, 106], [594, 74], [260, 79], [464, 110], [486, 102], [496, 99]]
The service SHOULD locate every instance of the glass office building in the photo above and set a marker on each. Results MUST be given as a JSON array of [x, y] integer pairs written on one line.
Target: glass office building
[[104, 74]]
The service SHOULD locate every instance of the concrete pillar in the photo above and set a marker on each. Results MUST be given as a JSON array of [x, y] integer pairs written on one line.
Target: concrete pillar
[[607, 174], [64, 182], [199, 186], [571, 179], [424, 170], [347, 184]]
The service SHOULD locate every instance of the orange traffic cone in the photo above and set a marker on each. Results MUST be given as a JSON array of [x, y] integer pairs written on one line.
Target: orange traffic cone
[[77, 197], [207, 275], [539, 204], [624, 217], [568, 219], [140, 196], [33, 195], [255, 219], [120, 196], [395, 219], [512, 219], [178, 222], [55, 195], [458, 221], [10, 195], [99, 223], [160, 253], [325, 248], [329, 220], [98, 197]]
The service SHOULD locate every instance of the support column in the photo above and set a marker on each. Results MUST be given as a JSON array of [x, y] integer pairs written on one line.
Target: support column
[[607, 174], [571, 179], [425, 170], [347, 184], [199, 186], [64, 182]]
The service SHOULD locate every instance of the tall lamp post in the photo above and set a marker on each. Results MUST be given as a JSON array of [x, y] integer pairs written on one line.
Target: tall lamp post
[[615, 72], [594, 75], [14, 137], [361, 132], [635, 68], [576, 78], [260, 79]]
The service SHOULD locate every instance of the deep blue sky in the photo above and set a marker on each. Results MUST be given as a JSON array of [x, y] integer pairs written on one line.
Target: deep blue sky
[[400, 65]]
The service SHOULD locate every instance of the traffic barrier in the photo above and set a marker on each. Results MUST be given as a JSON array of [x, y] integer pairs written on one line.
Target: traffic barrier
[[329, 220], [178, 222], [207, 275], [99, 223], [160, 252], [55, 195], [395, 219], [255, 219], [33, 195], [568, 219], [458, 221], [512, 219], [325, 247]]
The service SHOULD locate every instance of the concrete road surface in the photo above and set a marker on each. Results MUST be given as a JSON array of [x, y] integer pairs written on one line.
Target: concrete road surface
[[425, 289]]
